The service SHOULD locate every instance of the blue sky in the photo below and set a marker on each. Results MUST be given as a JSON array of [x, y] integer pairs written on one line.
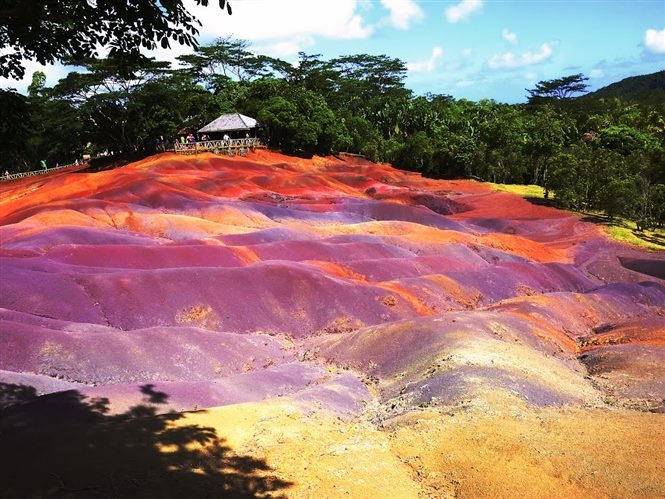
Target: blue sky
[[470, 49]]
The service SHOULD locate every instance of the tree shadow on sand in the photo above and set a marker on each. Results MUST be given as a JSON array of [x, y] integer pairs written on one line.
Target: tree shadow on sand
[[655, 237], [68, 445]]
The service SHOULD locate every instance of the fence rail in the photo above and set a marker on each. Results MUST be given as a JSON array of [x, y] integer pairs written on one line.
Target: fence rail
[[230, 146], [34, 173]]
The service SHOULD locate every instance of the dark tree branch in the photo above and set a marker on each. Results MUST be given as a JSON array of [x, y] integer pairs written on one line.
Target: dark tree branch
[[49, 31]]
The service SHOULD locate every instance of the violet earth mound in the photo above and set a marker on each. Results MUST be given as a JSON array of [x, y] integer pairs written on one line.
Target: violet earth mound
[[334, 283]]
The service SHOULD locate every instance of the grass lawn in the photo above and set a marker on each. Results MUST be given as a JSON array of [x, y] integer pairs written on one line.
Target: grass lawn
[[626, 231], [619, 229], [526, 191]]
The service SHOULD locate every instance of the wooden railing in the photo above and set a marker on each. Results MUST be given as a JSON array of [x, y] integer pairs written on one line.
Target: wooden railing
[[230, 146], [34, 173]]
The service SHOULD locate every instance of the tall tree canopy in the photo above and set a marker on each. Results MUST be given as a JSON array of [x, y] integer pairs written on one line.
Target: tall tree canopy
[[559, 88], [52, 30]]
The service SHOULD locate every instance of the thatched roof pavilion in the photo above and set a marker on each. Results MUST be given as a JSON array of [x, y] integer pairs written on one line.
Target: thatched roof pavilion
[[229, 123]]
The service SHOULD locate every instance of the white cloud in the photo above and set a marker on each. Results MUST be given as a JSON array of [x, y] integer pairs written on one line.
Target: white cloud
[[596, 73], [463, 10], [654, 41], [463, 61], [510, 37], [53, 72], [279, 28], [510, 60], [426, 66], [285, 24], [284, 48], [403, 12], [167, 55]]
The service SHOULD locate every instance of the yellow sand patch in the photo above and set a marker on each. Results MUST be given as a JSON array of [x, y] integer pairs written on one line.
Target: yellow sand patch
[[202, 316], [499, 447], [321, 455], [492, 446]]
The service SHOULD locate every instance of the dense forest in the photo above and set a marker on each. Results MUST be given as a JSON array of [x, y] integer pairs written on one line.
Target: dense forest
[[590, 151]]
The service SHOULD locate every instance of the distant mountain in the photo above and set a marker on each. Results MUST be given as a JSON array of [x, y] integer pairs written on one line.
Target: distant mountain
[[646, 89]]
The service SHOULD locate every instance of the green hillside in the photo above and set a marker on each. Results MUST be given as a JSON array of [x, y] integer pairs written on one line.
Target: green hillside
[[645, 89]]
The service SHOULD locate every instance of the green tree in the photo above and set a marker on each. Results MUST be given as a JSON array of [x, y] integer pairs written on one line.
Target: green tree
[[618, 197], [557, 89], [49, 31], [315, 74], [581, 178], [102, 96], [605, 166], [571, 176], [368, 86], [161, 107], [280, 119], [417, 153], [626, 139], [547, 132], [58, 130], [15, 122], [228, 60], [658, 204]]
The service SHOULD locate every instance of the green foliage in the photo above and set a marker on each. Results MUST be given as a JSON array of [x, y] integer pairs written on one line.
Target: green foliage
[[616, 197], [559, 88], [657, 198], [626, 139], [297, 119], [15, 119], [417, 152], [646, 90], [58, 31], [364, 137], [571, 187], [226, 60]]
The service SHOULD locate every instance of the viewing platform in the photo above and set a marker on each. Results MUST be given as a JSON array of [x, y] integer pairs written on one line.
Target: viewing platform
[[229, 146]]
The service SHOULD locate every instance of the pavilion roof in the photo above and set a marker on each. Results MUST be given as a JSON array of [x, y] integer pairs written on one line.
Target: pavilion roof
[[229, 123]]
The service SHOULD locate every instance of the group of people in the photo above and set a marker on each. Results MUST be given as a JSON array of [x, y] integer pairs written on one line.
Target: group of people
[[190, 138]]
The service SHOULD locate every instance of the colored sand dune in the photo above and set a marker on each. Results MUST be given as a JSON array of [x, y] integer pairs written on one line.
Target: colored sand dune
[[372, 301]]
